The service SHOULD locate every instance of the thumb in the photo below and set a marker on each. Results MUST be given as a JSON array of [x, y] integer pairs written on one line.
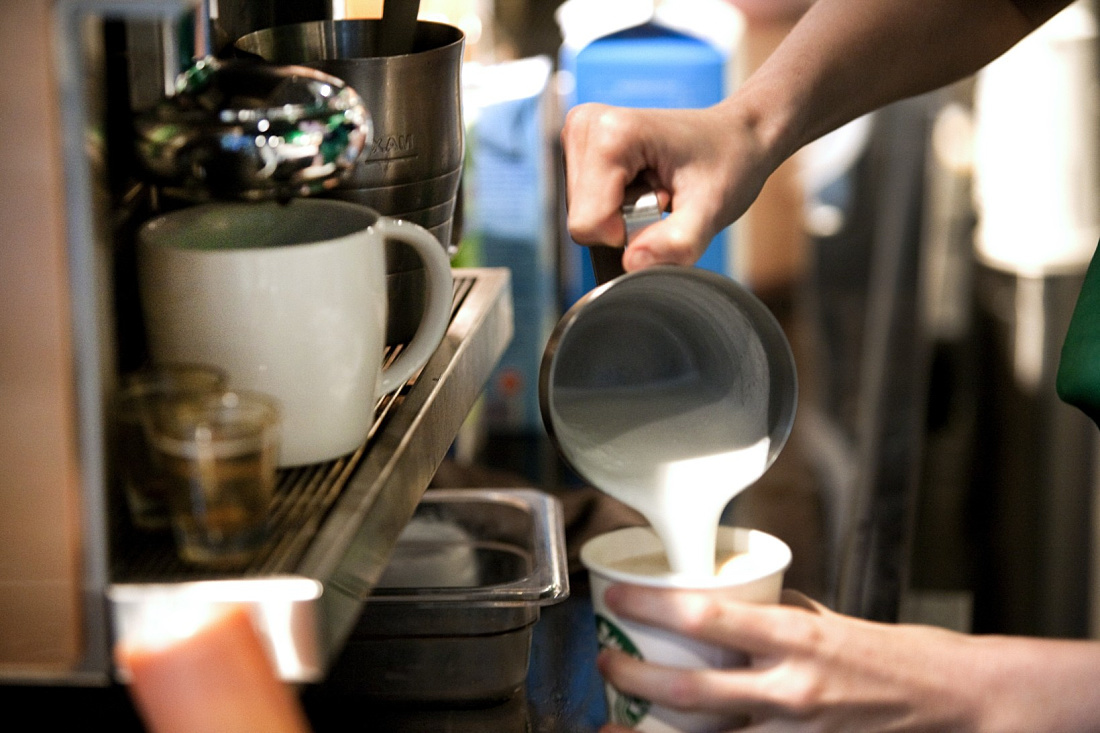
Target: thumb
[[680, 238]]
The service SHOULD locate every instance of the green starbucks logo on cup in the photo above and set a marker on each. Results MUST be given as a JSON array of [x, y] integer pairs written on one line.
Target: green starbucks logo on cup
[[624, 709]]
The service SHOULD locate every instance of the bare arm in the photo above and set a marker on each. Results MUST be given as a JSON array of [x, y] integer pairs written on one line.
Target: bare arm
[[843, 59], [848, 57], [812, 669]]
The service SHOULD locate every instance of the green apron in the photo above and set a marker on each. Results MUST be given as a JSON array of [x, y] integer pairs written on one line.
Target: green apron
[[1078, 381]]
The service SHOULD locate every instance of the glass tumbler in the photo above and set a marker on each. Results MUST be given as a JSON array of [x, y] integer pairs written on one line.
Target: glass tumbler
[[132, 411], [220, 453]]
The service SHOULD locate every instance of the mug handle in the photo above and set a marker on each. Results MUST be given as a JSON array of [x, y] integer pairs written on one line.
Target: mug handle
[[437, 306]]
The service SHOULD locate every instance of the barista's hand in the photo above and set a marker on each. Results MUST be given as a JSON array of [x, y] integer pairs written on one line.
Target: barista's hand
[[707, 166], [815, 670]]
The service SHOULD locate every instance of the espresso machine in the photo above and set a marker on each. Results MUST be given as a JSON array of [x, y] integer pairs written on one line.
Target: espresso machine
[[73, 576]]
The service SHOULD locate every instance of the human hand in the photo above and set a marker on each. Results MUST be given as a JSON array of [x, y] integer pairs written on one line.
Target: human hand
[[811, 669], [706, 165], [770, 11]]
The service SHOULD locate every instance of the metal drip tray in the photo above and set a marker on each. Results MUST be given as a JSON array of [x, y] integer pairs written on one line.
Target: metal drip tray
[[452, 617], [335, 523]]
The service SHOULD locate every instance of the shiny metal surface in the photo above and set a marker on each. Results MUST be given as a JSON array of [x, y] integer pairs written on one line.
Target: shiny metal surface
[[640, 208], [337, 522], [647, 330], [414, 98], [512, 538], [414, 160], [252, 130], [436, 218], [402, 198], [452, 617]]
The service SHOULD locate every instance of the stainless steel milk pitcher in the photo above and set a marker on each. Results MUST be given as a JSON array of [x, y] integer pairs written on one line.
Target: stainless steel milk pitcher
[[668, 353]]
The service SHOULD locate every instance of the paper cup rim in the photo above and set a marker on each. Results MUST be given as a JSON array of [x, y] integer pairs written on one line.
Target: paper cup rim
[[743, 536]]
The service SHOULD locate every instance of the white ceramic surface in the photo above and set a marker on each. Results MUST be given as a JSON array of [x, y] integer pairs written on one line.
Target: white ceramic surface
[[290, 300], [759, 581]]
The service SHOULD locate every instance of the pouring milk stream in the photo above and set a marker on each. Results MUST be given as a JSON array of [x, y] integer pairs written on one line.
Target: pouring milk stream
[[671, 389], [674, 466]]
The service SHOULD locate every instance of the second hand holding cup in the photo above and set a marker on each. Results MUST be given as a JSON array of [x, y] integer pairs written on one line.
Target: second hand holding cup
[[751, 568], [220, 453]]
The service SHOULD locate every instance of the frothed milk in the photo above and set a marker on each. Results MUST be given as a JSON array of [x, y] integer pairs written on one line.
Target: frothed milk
[[685, 431], [655, 564]]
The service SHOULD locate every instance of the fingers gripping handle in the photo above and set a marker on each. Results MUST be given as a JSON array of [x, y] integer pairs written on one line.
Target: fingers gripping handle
[[641, 208]]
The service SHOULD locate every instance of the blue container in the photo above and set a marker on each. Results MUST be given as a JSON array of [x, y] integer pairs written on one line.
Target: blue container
[[655, 67], [510, 193]]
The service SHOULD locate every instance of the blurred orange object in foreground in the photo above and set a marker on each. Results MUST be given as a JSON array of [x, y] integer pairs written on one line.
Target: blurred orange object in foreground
[[217, 680]]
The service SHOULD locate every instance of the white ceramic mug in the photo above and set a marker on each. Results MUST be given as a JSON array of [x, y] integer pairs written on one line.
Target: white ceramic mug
[[290, 300]]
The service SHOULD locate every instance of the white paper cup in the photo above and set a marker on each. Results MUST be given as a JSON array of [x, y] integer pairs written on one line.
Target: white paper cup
[[758, 578]]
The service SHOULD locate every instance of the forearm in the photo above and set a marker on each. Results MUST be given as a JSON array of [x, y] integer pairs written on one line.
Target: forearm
[[814, 669], [842, 59], [1039, 684], [848, 57]]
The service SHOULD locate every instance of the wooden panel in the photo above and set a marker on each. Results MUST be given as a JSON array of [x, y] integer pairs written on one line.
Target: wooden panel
[[40, 573]]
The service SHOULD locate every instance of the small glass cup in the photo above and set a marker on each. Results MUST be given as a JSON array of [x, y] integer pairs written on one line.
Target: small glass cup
[[132, 412], [219, 453]]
